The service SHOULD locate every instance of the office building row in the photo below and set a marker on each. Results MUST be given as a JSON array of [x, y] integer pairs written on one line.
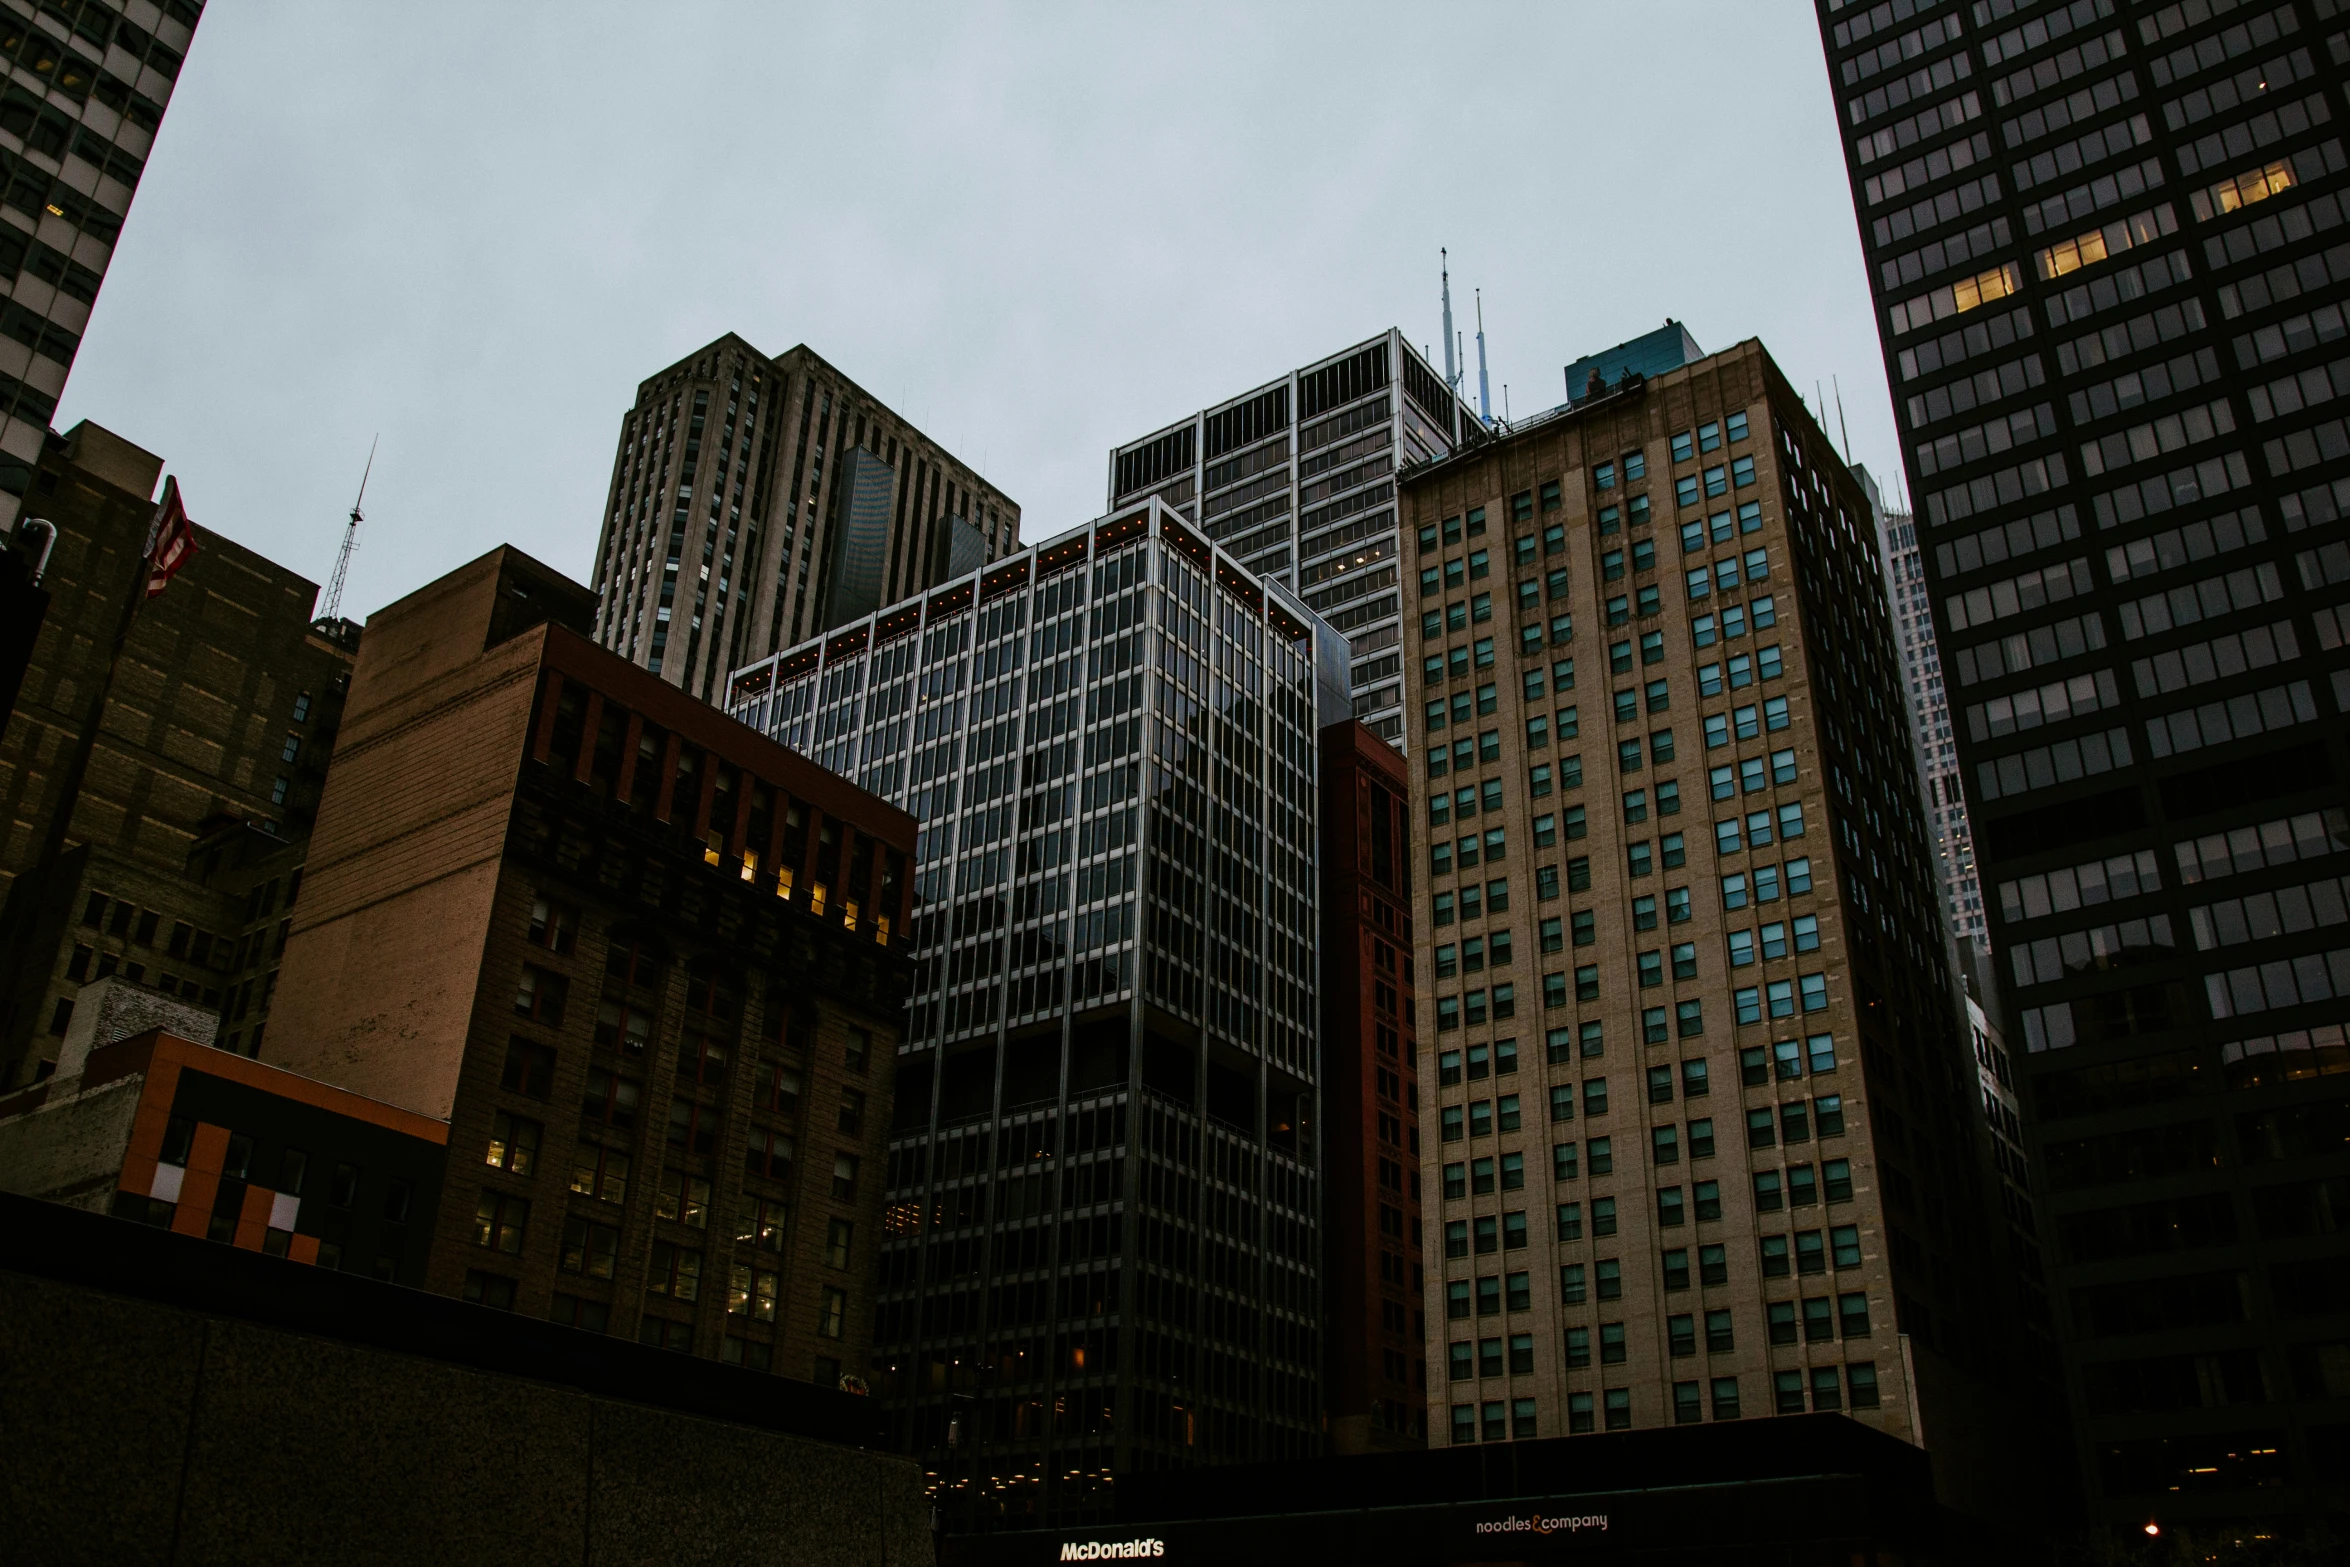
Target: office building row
[[2105, 246]]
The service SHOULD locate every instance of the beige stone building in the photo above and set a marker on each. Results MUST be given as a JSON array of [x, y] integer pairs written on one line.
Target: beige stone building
[[1698, 1097]]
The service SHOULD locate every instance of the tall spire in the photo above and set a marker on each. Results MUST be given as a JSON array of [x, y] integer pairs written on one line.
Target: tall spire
[[333, 606], [1452, 371]]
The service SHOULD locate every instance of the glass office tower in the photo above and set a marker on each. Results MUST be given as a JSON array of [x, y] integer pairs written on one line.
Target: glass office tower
[[1101, 1245], [1297, 478], [2108, 251]]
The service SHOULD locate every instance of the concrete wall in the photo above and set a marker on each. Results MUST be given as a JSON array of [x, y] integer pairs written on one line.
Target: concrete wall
[[143, 1432], [70, 1149]]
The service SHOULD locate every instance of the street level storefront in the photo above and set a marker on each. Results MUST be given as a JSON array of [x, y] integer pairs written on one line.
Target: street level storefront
[[1811, 1489]]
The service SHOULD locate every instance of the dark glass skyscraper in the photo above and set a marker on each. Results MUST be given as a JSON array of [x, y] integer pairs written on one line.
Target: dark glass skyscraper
[[1101, 1250], [2109, 257]]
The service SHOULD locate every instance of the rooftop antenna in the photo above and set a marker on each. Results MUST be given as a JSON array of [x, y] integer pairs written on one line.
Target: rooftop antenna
[[1452, 372], [1841, 428], [334, 588], [1505, 402], [1484, 392]]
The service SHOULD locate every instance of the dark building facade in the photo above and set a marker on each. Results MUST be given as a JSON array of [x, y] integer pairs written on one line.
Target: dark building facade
[[2109, 259], [647, 967], [1375, 1380], [183, 845], [1706, 1146], [758, 500], [1104, 1233], [87, 85]]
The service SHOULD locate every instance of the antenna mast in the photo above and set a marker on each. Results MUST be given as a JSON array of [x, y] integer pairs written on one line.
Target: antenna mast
[[1484, 391], [334, 589], [1452, 373]]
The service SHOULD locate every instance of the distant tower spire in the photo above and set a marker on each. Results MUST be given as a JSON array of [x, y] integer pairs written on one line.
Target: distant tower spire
[[1452, 370], [1484, 392], [334, 589]]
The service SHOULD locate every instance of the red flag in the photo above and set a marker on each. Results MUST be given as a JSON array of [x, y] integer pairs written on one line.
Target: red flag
[[172, 539]]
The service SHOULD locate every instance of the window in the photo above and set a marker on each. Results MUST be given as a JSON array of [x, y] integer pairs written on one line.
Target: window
[[1578, 1342], [1671, 1212], [552, 925], [1489, 1296], [499, 1221], [1725, 1398], [1603, 1217], [589, 1248], [1611, 1344], [530, 1070], [1665, 1143], [1845, 1239], [1860, 1379], [514, 1143], [684, 1198], [1571, 1286], [488, 1289], [751, 1292], [1481, 1176], [1570, 1221], [601, 1173], [1687, 1407], [540, 994], [832, 1313], [693, 1127], [1609, 1277], [844, 1177], [1602, 1155], [609, 1100]]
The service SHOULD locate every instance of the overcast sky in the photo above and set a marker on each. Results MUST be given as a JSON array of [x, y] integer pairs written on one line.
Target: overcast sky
[[1037, 231]]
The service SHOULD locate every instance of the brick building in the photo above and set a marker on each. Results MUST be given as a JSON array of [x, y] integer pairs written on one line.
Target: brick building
[[203, 776], [1704, 1099], [644, 963], [1375, 1385], [758, 500]]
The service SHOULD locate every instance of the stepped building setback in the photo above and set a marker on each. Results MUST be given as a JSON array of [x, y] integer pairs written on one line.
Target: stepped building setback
[[756, 501]]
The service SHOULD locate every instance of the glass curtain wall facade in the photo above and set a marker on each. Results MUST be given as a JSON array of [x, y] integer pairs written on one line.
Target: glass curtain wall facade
[[87, 84], [1100, 1251], [1298, 479], [2108, 249]]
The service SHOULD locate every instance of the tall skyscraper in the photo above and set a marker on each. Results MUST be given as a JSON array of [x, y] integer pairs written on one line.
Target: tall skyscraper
[[1929, 717], [1705, 1143], [1297, 479], [1103, 1237], [756, 501], [87, 86], [2109, 261]]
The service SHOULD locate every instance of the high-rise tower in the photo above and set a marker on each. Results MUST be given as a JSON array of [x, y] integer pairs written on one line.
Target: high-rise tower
[[2108, 252], [1103, 1243], [756, 501], [1297, 478], [87, 87], [1705, 1142]]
